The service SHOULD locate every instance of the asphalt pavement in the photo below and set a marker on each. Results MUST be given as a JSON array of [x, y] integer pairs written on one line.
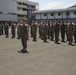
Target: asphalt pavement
[[42, 59]]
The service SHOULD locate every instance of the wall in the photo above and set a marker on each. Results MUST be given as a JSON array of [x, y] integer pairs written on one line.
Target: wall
[[38, 16], [8, 6], [49, 16], [58, 17], [43, 17], [62, 16], [72, 15]]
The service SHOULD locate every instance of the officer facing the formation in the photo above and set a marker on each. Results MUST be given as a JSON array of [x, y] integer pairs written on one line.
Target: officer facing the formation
[[57, 30], [70, 32], [34, 31], [75, 34], [6, 27], [45, 32], [24, 35], [13, 29], [63, 30], [52, 29]]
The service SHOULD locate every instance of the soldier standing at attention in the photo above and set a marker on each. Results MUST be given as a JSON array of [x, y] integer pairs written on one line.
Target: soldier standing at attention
[[45, 32], [57, 30], [75, 34], [13, 29], [63, 30], [24, 35], [52, 28], [31, 29], [18, 30], [6, 29], [0, 28], [66, 24], [70, 31], [40, 30], [34, 31], [48, 29]]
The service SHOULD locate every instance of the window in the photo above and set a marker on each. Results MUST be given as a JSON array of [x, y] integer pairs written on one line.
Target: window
[[21, 15], [45, 14], [13, 13], [52, 14], [7, 13], [24, 4], [67, 13], [18, 8], [75, 13], [1, 12], [18, 15], [59, 14], [19, 3], [33, 6], [24, 9]]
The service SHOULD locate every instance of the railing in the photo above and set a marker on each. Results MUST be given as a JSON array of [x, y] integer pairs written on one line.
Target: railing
[[21, 18], [22, 6], [21, 12]]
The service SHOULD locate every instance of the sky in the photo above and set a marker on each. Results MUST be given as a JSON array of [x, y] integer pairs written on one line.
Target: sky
[[51, 4]]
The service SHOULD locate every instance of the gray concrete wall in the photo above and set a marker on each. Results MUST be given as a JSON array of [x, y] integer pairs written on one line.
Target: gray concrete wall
[[8, 6]]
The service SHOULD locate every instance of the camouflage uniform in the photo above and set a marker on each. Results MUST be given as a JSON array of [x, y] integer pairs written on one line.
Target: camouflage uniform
[[63, 30], [13, 29], [52, 29], [57, 30], [75, 34], [40, 30], [6, 27], [23, 35], [34, 31], [70, 32], [45, 31]]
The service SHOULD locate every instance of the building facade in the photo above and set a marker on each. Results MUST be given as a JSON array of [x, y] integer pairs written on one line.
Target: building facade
[[56, 14], [25, 8], [15, 10], [8, 10]]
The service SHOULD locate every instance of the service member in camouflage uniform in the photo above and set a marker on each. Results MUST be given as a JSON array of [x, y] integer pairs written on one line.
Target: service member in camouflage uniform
[[23, 36], [6, 27], [57, 30], [45, 32], [34, 31], [70, 32], [52, 29]]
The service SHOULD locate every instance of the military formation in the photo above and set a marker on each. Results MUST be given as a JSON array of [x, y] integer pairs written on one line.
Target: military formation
[[53, 30]]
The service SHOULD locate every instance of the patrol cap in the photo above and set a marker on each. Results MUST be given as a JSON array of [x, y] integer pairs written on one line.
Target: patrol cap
[[21, 21], [69, 20]]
